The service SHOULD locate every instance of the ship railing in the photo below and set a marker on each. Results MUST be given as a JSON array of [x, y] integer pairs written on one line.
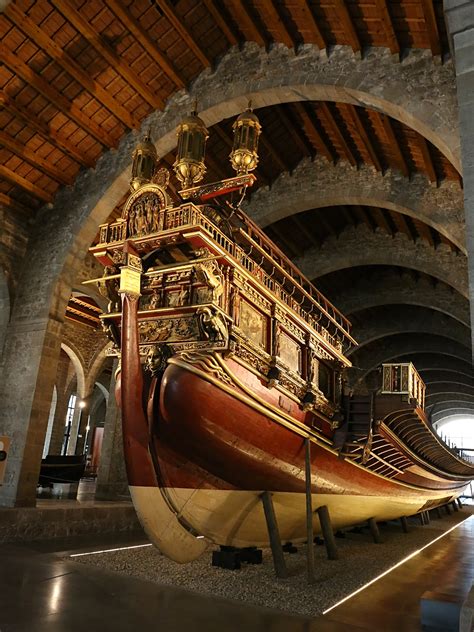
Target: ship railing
[[188, 215], [403, 378]]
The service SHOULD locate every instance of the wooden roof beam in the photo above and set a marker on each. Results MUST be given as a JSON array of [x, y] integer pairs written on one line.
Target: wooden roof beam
[[55, 97], [312, 132], [381, 220], [241, 14], [402, 164], [289, 243], [427, 160], [325, 222], [386, 19], [348, 215], [426, 232], [300, 139], [306, 231], [337, 133], [116, 62], [349, 28], [178, 24], [124, 15], [25, 184], [431, 27], [360, 127], [407, 226], [52, 136], [306, 24], [365, 216], [23, 152], [57, 53], [10, 203], [221, 22], [274, 23], [275, 155]]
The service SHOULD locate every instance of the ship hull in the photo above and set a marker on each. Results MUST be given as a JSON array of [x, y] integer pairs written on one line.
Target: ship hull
[[219, 438]]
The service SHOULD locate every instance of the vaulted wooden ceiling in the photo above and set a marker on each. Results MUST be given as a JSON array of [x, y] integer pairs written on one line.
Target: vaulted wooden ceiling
[[77, 74]]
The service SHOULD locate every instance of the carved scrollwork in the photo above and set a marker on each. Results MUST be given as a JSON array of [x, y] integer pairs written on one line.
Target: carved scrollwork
[[209, 273], [212, 324]]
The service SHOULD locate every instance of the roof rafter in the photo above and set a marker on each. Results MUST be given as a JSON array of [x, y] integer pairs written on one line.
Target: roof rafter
[[360, 127], [146, 42], [332, 123], [276, 156], [25, 184], [48, 133], [304, 19], [119, 66], [221, 22], [427, 160], [381, 220], [9, 202], [274, 23], [306, 231], [55, 97], [300, 140], [386, 19], [312, 132], [402, 164], [22, 151], [178, 24], [431, 26], [57, 53], [346, 20], [244, 17]]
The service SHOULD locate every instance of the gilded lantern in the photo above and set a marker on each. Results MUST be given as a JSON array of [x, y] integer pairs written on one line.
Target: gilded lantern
[[189, 164], [247, 128], [144, 163]]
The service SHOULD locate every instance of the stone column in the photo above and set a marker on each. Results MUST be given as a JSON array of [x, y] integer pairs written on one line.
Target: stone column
[[32, 348], [460, 24], [112, 481]]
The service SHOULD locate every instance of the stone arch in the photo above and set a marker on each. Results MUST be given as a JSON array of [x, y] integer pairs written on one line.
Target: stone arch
[[389, 286], [317, 184], [436, 362], [379, 323], [403, 345], [449, 408], [416, 92], [452, 417], [78, 368], [360, 246], [96, 366]]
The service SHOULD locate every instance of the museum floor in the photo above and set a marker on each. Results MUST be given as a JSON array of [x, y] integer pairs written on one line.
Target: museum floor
[[40, 591]]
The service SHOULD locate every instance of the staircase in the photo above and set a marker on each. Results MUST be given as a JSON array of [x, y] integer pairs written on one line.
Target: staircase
[[356, 431]]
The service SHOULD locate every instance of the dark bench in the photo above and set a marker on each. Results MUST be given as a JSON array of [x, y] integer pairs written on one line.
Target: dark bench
[[61, 469]]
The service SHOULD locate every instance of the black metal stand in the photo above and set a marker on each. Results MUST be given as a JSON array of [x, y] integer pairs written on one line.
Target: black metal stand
[[328, 533], [404, 522], [374, 530], [274, 535], [231, 557], [309, 515]]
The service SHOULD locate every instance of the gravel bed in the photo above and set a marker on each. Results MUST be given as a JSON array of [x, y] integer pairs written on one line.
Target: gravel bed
[[360, 561]]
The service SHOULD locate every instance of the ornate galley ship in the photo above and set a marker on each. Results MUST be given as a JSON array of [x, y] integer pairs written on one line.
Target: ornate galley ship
[[232, 373]]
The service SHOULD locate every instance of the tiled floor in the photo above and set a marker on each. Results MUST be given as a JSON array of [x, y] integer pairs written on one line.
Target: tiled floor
[[39, 592]]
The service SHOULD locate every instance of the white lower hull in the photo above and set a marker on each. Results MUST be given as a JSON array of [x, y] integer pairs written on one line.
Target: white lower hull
[[236, 518]]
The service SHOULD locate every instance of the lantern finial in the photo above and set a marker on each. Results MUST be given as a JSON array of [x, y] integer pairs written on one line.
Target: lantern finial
[[192, 135], [247, 129], [144, 163]]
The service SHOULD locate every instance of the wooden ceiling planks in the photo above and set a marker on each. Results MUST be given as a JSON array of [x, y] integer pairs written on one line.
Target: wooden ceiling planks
[[79, 73]]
